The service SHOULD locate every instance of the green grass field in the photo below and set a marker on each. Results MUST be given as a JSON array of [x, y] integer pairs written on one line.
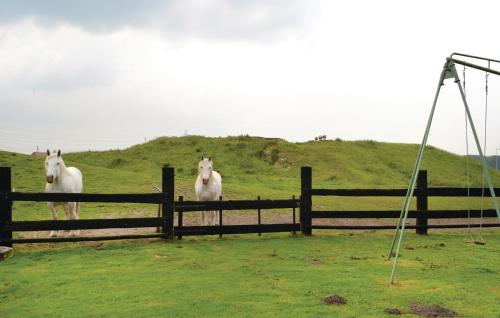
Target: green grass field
[[275, 275], [247, 276]]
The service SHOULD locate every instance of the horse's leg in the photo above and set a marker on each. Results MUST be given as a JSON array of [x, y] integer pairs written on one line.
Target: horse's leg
[[66, 211], [203, 217], [72, 216], [209, 217], [77, 214], [214, 217], [52, 208]]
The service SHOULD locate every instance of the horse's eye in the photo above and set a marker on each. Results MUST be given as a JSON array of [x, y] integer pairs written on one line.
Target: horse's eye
[[58, 163]]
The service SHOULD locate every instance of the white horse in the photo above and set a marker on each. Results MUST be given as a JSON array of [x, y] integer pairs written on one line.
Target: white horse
[[208, 187], [62, 179]]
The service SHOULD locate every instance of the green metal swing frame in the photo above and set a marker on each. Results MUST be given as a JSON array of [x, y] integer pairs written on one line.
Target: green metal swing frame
[[449, 71]]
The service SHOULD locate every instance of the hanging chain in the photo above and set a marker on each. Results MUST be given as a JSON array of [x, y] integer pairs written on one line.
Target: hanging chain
[[486, 86], [467, 174], [484, 146], [463, 74]]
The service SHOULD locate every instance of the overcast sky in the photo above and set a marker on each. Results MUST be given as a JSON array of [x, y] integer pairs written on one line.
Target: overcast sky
[[81, 75]]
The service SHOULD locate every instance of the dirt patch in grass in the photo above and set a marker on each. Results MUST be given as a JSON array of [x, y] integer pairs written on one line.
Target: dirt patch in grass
[[335, 300], [315, 261], [432, 311], [268, 217], [358, 258], [97, 245], [392, 311]]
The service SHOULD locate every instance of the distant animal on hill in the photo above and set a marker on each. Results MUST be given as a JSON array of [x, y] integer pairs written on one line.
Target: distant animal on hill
[[62, 179], [320, 137], [208, 187]]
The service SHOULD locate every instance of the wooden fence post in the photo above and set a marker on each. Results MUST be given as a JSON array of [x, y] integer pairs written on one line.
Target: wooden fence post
[[180, 216], [258, 215], [422, 203], [5, 204], [293, 214], [220, 219], [305, 200], [167, 188]]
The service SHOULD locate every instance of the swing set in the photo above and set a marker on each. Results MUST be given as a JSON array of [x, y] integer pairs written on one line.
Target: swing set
[[450, 71]]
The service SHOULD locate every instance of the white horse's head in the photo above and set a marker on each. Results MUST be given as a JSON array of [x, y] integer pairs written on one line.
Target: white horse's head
[[205, 169], [53, 164]]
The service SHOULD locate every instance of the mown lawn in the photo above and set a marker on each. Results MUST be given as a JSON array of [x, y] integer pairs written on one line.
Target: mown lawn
[[249, 276]]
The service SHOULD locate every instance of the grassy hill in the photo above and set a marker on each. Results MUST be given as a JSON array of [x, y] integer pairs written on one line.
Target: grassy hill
[[492, 161], [252, 166]]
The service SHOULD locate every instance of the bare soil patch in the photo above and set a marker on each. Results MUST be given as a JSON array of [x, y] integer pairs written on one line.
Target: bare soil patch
[[432, 311], [392, 311], [335, 300]]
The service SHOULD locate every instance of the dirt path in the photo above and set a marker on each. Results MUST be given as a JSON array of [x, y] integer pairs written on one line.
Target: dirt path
[[266, 218]]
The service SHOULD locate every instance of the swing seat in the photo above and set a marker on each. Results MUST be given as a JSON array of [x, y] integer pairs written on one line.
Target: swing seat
[[475, 242]]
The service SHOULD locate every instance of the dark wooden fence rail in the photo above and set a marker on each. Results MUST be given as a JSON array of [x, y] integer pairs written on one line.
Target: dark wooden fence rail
[[193, 206], [422, 214], [157, 198], [431, 192]]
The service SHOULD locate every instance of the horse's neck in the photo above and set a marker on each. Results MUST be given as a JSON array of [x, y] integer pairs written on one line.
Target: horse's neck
[[64, 169]]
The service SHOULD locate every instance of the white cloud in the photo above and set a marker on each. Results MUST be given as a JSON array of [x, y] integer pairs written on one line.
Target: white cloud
[[354, 71], [210, 19]]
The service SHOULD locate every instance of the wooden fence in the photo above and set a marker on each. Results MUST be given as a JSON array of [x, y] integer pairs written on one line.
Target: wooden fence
[[422, 214], [182, 207], [8, 226], [165, 222], [169, 206]]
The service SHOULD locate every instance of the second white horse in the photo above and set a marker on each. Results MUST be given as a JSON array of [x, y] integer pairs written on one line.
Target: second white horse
[[208, 187]]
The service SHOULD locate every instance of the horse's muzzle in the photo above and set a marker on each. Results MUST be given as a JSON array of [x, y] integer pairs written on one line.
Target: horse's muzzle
[[205, 181], [50, 179]]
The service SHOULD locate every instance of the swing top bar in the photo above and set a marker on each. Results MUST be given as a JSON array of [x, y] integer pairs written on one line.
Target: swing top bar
[[474, 57], [478, 67]]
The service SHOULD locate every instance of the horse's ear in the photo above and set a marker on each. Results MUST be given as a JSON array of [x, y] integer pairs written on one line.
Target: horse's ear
[[48, 152], [59, 153], [201, 157], [209, 158]]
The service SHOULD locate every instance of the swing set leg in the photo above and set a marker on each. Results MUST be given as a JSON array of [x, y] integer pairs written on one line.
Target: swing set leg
[[411, 187], [449, 71]]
